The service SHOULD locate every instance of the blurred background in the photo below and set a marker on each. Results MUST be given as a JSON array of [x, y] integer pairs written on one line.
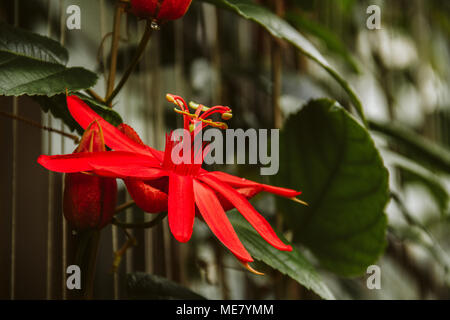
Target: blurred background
[[400, 72]]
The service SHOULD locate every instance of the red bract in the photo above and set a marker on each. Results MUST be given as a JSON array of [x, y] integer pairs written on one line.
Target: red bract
[[160, 9], [89, 201], [154, 180]]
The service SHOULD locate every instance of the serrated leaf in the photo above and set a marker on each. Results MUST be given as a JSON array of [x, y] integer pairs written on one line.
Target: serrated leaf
[[34, 46], [328, 155], [281, 29], [148, 286], [292, 263], [58, 107], [35, 65]]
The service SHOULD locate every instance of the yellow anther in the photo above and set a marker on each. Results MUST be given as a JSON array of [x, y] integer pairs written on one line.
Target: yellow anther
[[192, 115], [195, 106], [170, 98], [300, 201], [227, 116], [219, 125], [249, 268]]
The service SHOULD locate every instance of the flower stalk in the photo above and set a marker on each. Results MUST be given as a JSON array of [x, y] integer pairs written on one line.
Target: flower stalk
[[125, 206], [114, 47], [134, 62], [87, 244], [145, 225]]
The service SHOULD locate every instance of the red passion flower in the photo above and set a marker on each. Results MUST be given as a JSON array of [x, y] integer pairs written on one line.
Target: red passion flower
[[157, 183], [160, 9], [89, 201]]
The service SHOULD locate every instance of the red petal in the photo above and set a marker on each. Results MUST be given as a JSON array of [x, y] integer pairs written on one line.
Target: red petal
[[147, 195], [132, 134], [115, 139], [130, 171], [181, 206], [241, 182], [214, 215], [250, 214], [246, 192], [84, 161]]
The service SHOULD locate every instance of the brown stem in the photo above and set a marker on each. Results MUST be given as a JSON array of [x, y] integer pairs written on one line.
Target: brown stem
[[38, 125], [131, 242], [124, 206], [91, 264], [87, 244], [114, 48], [134, 62], [94, 95], [145, 225]]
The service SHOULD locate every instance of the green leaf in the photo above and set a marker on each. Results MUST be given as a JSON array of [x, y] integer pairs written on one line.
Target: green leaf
[[328, 155], [58, 107], [147, 286], [293, 263], [103, 110], [279, 28], [35, 65]]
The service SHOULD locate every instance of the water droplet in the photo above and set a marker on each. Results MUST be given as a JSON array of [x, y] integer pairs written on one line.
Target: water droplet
[[155, 25]]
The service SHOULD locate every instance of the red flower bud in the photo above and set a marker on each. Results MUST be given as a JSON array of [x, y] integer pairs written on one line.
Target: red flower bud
[[89, 201], [160, 9]]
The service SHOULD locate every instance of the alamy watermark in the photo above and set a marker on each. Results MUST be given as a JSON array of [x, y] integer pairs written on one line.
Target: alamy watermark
[[73, 21], [232, 150], [374, 280], [74, 279], [373, 22]]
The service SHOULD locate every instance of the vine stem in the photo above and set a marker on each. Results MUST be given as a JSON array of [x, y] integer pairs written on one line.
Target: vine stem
[[145, 225], [95, 95], [134, 62], [118, 255], [38, 125], [114, 48], [124, 206], [91, 264], [87, 245]]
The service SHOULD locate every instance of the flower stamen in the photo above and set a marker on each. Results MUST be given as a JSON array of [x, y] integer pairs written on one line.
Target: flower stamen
[[249, 268], [225, 112], [299, 201], [207, 122], [201, 112]]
